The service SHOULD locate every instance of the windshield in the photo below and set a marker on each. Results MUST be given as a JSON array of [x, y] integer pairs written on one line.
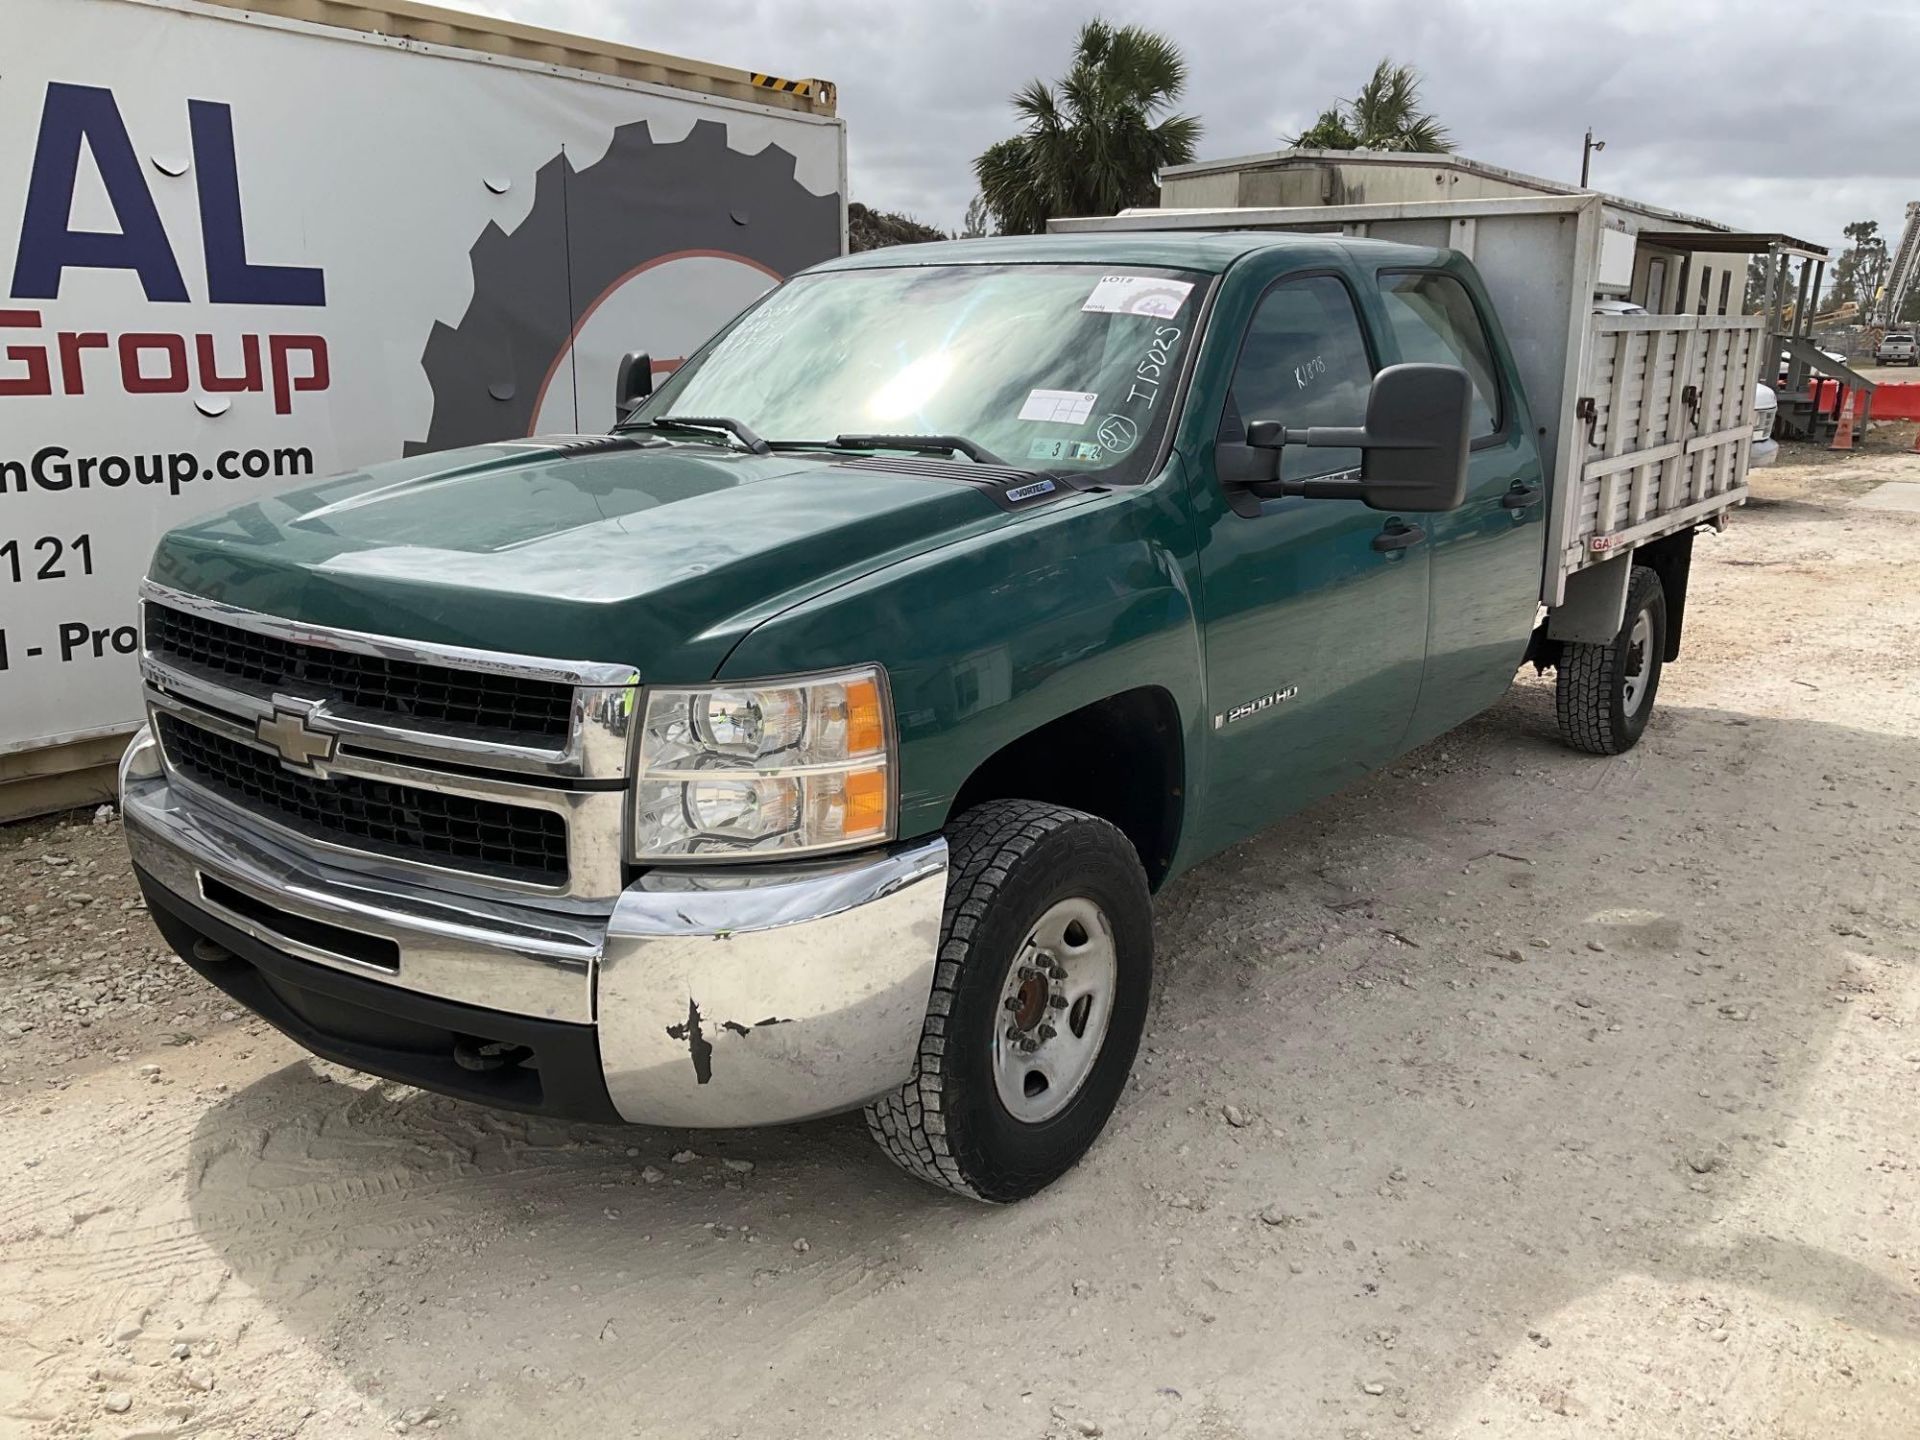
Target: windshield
[[1051, 367]]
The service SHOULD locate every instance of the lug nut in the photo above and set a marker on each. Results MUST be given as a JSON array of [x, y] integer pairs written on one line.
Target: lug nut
[[1012, 1002], [1058, 1002], [1046, 1032], [1027, 972], [1058, 972]]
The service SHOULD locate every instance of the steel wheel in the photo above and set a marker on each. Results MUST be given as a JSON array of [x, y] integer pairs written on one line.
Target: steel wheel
[[1060, 895], [1057, 1000], [1633, 680]]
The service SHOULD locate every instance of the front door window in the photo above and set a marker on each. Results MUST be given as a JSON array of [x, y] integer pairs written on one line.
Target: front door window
[[1304, 362]]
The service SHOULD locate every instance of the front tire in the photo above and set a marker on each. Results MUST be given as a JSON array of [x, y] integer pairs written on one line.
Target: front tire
[[1604, 693], [1039, 998]]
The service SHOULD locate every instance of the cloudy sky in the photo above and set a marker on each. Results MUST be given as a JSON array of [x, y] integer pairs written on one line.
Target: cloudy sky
[[1765, 114]]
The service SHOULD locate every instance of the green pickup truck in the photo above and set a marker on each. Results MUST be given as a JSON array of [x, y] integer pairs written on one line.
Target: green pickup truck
[[816, 739]]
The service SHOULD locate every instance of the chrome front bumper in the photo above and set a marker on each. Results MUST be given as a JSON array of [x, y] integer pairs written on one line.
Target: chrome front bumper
[[724, 997]]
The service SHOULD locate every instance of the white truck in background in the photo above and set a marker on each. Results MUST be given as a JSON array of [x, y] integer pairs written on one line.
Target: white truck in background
[[227, 273]]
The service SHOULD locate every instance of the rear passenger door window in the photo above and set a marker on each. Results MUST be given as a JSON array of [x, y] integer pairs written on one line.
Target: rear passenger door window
[[1304, 362], [1434, 322]]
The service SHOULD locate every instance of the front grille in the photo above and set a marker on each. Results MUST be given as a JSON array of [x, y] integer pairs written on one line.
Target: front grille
[[429, 696], [509, 841]]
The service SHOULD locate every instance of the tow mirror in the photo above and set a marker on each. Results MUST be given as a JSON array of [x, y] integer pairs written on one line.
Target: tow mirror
[[1413, 448], [633, 381]]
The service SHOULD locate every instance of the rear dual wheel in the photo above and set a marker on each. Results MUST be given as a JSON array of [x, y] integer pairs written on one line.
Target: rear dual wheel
[[1039, 998]]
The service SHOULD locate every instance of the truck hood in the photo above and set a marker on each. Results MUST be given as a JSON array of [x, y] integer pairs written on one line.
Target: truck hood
[[589, 548]]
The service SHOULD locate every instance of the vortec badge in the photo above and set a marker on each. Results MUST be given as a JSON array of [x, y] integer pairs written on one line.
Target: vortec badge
[[300, 746]]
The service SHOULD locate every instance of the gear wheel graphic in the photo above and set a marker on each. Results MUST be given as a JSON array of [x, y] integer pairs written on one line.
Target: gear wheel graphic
[[586, 230]]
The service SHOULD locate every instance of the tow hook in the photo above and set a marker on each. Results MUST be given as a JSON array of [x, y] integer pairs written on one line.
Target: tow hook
[[478, 1055]]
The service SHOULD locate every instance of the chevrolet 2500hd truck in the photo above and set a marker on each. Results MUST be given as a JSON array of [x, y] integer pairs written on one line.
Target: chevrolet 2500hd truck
[[816, 738]]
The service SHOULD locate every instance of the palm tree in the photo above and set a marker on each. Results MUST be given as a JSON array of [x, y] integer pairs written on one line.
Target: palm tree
[[1385, 115], [976, 220], [1095, 144]]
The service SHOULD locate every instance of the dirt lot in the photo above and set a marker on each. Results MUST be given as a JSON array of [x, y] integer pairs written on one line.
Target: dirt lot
[[1578, 1100], [1882, 374]]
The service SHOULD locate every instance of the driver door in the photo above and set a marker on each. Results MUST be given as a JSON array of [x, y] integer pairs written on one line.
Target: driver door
[[1316, 610]]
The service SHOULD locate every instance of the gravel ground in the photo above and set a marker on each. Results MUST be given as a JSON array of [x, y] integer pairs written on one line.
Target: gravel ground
[[84, 977], [1513, 1093], [1883, 374]]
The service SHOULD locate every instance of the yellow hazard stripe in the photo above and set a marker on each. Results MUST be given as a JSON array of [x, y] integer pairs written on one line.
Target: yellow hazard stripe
[[785, 87]]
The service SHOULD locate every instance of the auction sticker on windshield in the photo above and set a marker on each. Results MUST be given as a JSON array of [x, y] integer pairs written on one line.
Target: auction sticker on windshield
[[1138, 295], [1059, 407]]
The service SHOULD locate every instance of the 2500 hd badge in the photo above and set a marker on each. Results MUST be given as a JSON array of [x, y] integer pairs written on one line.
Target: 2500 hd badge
[[1254, 707]]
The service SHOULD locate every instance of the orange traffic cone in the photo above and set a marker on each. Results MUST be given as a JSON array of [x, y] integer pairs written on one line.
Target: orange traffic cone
[[1843, 433]]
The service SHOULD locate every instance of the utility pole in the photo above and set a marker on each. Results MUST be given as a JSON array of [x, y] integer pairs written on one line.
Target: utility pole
[[1586, 155]]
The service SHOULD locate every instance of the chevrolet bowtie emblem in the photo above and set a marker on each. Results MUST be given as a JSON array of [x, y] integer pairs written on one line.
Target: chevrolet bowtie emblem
[[299, 744]]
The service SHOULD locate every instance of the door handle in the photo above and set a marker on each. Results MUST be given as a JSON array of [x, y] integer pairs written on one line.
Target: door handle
[[1398, 537], [1521, 497]]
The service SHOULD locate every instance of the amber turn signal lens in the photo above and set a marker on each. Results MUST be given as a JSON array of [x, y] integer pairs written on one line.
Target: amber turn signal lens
[[866, 801], [866, 725]]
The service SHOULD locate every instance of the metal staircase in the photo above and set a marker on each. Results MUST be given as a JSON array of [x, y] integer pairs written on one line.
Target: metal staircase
[[1811, 389]]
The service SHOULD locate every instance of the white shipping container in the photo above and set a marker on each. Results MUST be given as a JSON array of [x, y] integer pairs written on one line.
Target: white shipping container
[[244, 250]]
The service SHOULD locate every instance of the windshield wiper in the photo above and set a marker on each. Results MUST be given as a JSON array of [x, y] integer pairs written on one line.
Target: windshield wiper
[[959, 444], [737, 428]]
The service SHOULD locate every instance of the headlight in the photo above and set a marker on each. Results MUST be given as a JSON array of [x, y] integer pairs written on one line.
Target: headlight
[[751, 770], [1763, 424]]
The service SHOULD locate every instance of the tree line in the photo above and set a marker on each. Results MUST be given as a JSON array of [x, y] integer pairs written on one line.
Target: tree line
[[1860, 272], [1864, 269], [1095, 141]]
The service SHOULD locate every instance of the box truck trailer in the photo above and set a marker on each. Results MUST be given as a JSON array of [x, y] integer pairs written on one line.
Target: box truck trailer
[[247, 248]]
